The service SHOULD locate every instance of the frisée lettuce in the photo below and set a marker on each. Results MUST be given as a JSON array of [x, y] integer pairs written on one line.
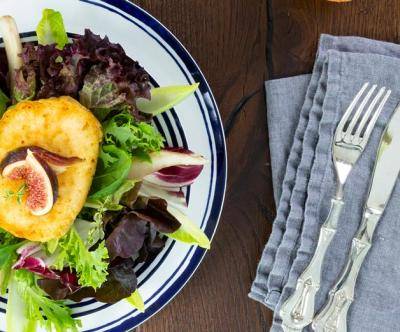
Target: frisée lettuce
[[28, 306], [91, 266]]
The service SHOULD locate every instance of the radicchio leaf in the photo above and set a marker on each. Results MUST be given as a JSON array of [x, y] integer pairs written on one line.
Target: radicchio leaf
[[37, 266], [34, 259], [56, 283], [165, 159], [60, 288], [175, 176]]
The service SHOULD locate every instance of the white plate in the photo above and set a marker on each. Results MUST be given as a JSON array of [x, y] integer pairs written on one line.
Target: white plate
[[195, 124]]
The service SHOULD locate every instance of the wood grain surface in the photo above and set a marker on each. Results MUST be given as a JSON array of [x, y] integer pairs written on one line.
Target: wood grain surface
[[238, 45], [228, 40], [296, 24]]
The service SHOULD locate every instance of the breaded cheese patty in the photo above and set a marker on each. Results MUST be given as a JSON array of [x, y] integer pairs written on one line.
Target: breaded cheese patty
[[63, 126]]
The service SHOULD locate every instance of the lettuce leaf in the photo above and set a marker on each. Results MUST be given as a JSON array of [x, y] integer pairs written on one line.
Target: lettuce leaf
[[112, 170], [164, 98], [91, 266], [100, 93], [96, 230], [51, 30], [4, 102], [126, 186], [7, 238], [90, 67], [28, 306], [137, 138], [8, 256]]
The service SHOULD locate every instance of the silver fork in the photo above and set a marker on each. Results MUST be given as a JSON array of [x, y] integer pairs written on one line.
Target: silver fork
[[351, 137]]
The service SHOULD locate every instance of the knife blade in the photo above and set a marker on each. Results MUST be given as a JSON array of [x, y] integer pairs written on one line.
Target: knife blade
[[333, 316], [387, 165]]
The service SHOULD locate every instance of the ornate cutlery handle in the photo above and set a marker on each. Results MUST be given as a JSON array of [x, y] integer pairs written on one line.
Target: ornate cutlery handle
[[298, 311], [333, 317]]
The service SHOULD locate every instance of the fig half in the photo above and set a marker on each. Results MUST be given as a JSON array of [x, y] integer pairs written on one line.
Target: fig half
[[42, 185], [40, 180]]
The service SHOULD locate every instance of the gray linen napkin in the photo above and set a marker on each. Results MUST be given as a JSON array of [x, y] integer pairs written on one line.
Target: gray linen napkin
[[341, 69], [284, 101]]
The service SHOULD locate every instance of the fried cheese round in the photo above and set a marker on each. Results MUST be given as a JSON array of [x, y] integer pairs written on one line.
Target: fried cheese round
[[60, 125]]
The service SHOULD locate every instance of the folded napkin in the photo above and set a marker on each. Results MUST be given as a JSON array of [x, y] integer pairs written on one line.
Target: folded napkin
[[314, 105]]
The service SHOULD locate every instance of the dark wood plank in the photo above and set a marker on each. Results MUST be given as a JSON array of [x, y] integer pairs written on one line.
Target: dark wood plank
[[228, 39], [296, 25]]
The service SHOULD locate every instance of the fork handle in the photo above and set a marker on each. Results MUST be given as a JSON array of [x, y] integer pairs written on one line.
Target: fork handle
[[298, 311], [333, 317]]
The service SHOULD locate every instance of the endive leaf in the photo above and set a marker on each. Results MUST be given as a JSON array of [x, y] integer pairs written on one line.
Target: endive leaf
[[189, 232], [136, 301], [164, 98]]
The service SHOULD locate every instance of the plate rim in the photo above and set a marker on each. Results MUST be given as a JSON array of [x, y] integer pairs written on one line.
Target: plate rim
[[128, 323], [125, 322]]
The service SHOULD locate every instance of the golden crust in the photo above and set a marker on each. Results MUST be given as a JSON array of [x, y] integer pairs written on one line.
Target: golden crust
[[60, 125]]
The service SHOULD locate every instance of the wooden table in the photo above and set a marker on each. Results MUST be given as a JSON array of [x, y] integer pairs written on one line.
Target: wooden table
[[239, 44]]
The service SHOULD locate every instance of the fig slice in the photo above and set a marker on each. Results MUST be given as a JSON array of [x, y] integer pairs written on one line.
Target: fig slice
[[42, 185], [58, 163], [15, 170], [40, 180]]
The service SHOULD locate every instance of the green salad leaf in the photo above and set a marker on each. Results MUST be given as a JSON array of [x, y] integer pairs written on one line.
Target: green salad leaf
[[100, 93], [51, 246], [4, 102], [112, 170], [51, 30], [28, 306], [164, 98], [91, 266], [124, 138], [124, 188], [8, 257], [189, 232], [136, 138], [136, 301], [7, 238]]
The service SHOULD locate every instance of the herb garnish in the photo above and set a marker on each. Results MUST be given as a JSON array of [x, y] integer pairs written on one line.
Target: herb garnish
[[19, 194]]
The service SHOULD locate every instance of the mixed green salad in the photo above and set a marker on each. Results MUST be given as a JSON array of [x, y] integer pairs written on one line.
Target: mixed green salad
[[136, 200]]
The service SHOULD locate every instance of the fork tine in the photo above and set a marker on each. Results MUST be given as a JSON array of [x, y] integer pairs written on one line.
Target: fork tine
[[357, 114], [369, 111], [372, 122], [349, 110]]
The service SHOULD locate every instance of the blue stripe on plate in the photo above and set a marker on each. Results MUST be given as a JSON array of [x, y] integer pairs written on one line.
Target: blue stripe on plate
[[219, 141], [220, 151], [143, 268]]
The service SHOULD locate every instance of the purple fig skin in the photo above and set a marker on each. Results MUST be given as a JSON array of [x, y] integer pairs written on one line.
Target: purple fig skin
[[49, 157], [13, 156], [52, 177]]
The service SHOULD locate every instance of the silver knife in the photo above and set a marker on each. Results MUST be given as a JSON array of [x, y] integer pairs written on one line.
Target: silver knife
[[333, 316]]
